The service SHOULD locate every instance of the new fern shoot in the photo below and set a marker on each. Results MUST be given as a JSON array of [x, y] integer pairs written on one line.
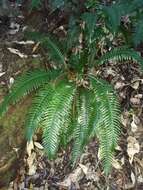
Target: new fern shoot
[[71, 103]]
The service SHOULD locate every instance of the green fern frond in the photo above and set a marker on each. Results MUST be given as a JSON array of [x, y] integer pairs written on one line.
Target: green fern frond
[[54, 51], [55, 116], [90, 23], [107, 99], [95, 118], [138, 33], [135, 5], [121, 54], [23, 86], [109, 129], [113, 14], [56, 4], [67, 132], [35, 4], [81, 130], [37, 109], [92, 4], [72, 33], [110, 111], [105, 150]]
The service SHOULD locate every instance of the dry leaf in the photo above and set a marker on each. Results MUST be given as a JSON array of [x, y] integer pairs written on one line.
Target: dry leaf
[[35, 47], [1, 74], [92, 174], [38, 145], [135, 101], [122, 161], [110, 71], [122, 94], [135, 85], [133, 178], [138, 96], [84, 168], [17, 52], [140, 162], [11, 80], [124, 119], [134, 127], [14, 28], [73, 178], [119, 85], [28, 42], [116, 164], [99, 154], [118, 148], [30, 147], [132, 148], [31, 164], [140, 179]]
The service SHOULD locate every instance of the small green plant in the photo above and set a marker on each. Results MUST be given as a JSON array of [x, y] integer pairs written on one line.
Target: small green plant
[[35, 4], [119, 17], [72, 103], [124, 17]]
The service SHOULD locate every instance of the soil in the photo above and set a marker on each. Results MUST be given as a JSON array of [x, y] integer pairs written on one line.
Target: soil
[[20, 170]]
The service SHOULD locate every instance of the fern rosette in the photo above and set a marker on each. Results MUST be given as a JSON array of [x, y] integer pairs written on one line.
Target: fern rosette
[[70, 104], [67, 111]]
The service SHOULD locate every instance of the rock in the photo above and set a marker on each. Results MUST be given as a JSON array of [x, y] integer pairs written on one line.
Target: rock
[[12, 141]]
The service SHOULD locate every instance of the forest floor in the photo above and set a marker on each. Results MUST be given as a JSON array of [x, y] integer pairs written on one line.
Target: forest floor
[[24, 166]]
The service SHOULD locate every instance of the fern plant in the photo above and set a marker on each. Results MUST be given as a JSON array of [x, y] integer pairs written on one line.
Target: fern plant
[[72, 104], [125, 17], [119, 17]]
